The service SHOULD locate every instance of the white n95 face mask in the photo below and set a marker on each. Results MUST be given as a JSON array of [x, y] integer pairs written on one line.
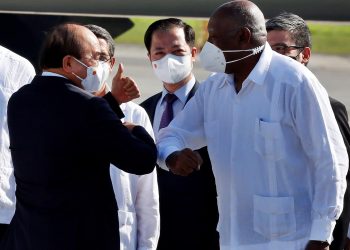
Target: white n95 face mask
[[212, 58], [172, 69], [94, 77], [106, 71]]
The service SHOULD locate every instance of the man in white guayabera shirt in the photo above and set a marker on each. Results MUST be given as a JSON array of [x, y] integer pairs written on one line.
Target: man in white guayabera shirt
[[15, 71], [278, 157]]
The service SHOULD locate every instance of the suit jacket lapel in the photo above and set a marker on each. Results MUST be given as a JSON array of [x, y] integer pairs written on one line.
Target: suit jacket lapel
[[193, 91], [153, 105]]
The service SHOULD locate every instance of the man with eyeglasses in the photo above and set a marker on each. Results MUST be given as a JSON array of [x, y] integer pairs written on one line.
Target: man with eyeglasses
[[288, 34], [137, 195], [62, 141]]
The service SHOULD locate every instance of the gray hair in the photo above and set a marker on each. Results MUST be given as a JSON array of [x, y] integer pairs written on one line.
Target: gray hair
[[293, 24], [102, 33]]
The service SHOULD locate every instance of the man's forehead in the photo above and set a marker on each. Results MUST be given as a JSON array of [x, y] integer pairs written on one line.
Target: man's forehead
[[90, 42], [279, 36], [169, 38], [222, 23]]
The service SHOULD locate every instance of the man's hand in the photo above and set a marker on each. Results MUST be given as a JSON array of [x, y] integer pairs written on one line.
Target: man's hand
[[347, 244], [129, 126], [124, 89], [317, 245], [184, 162]]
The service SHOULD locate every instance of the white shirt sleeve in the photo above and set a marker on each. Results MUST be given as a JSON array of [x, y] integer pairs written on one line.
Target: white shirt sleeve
[[146, 200], [186, 130], [147, 212], [316, 125]]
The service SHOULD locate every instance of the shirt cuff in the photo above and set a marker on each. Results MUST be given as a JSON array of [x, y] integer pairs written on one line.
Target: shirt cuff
[[162, 155], [146, 248], [321, 230]]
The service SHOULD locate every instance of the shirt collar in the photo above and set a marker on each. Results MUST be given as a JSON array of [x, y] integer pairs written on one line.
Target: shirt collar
[[258, 74], [48, 73], [183, 92]]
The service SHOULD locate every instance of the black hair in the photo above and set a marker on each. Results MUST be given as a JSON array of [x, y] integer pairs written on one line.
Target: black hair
[[165, 25]]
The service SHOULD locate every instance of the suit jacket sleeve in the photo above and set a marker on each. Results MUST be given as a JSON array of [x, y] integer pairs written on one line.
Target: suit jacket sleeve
[[133, 152], [114, 104], [341, 116]]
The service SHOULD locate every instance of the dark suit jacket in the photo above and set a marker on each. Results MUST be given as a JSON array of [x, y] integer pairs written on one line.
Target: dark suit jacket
[[188, 205], [341, 227], [62, 143]]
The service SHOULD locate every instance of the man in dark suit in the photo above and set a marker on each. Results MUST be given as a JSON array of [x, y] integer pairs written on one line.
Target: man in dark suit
[[289, 35], [188, 205], [62, 141]]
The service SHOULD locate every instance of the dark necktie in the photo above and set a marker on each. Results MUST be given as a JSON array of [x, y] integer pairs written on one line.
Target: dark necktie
[[168, 113]]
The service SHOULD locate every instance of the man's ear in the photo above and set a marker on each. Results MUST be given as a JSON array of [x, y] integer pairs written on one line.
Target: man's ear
[[306, 54], [194, 53], [67, 64], [112, 62], [245, 35]]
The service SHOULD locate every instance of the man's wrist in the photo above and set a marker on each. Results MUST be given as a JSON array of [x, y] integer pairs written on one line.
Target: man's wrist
[[170, 160], [115, 96], [320, 243]]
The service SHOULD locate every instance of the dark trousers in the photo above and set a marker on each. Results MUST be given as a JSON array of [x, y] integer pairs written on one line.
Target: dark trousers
[[3, 229]]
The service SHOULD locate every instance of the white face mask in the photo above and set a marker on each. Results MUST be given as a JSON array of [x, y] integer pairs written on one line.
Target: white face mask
[[172, 69], [106, 71], [94, 77], [212, 58]]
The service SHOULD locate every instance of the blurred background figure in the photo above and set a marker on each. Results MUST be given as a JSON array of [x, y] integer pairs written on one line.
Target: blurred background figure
[[289, 35], [137, 195], [15, 71]]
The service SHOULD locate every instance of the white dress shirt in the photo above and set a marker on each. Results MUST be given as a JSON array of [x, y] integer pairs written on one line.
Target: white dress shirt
[[15, 71], [137, 196], [278, 157]]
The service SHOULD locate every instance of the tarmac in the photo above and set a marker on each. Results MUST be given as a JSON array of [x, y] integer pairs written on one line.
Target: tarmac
[[332, 71]]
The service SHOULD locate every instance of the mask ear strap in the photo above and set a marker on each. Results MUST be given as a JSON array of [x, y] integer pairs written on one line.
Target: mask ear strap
[[77, 76], [80, 62], [258, 49], [254, 52]]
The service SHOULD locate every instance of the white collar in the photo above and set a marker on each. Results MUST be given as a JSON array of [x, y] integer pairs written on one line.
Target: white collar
[[183, 92], [48, 73]]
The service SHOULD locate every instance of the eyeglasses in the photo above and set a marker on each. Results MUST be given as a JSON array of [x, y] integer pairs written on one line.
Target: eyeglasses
[[284, 49], [91, 59], [105, 58], [295, 57]]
